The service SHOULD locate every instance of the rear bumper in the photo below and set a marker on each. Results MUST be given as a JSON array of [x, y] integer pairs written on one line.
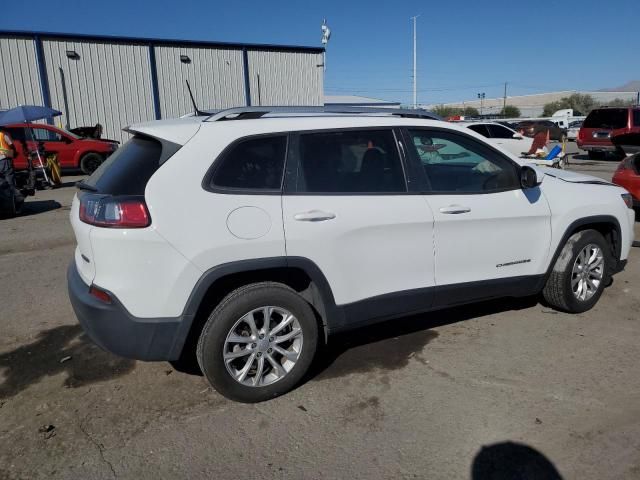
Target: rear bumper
[[596, 148], [114, 329]]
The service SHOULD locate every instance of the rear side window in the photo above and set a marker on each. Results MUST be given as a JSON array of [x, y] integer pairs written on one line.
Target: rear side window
[[128, 169], [609, 118], [498, 131], [350, 161], [252, 164], [481, 129], [636, 118]]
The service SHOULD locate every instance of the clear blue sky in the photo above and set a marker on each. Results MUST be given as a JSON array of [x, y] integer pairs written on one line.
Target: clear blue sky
[[464, 46]]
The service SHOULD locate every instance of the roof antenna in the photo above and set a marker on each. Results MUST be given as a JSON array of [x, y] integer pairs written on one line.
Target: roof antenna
[[196, 111]]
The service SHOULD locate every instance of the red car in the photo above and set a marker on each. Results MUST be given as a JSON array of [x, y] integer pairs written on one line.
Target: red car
[[596, 131], [628, 176], [73, 151]]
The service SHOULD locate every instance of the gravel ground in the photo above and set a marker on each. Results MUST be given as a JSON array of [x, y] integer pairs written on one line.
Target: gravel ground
[[472, 392]]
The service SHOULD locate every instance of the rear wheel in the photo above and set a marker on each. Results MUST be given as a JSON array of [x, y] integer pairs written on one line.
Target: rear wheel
[[258, 342], [580, 273], [90, 162]]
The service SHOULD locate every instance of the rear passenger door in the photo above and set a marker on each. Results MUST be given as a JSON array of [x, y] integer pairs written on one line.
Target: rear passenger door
[[347, 208], [486, 227]]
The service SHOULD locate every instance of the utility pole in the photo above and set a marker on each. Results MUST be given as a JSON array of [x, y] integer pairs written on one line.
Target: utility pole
[[415, 72], [504, 103]]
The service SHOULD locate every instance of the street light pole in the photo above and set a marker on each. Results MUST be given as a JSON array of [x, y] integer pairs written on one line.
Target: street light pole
[[415, 70], [481, 97]]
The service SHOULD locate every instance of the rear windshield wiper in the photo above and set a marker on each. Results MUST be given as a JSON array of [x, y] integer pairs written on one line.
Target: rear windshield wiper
[[85, 186]]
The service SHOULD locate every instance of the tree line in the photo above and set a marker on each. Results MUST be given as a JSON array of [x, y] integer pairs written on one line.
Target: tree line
[[581, 103]]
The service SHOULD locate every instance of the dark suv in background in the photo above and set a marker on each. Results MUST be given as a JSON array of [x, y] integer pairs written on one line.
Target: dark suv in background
[[595, 133]]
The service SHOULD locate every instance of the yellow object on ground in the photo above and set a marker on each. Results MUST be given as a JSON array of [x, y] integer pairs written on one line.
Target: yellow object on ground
[[54, 169]]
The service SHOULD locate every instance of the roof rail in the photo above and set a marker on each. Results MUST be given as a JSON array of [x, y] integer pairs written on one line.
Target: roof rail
[[245, 113]]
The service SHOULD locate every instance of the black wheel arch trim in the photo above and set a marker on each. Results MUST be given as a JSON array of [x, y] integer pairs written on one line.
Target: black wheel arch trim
[[586, 221], [330, 312]]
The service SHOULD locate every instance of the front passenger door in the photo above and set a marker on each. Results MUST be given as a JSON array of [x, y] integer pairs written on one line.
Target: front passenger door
[[485, 226]]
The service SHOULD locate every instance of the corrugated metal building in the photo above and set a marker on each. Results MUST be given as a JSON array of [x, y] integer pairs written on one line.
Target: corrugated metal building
[[117, 81]]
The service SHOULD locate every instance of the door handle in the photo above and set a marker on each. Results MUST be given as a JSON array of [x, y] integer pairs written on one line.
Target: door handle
[[455, 209], [314, 216]]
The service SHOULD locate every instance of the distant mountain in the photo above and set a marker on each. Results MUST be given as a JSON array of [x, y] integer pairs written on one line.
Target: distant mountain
[[632, 86]]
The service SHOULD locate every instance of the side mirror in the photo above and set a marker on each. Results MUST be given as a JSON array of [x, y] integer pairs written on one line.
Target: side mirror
[[517, 136], [530, 177], [66, 139]]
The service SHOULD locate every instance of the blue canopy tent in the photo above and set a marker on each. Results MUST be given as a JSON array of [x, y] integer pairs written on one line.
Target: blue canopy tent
[[28, 114]]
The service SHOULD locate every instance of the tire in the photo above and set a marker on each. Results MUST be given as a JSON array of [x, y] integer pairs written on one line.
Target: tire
[[559, 289], [227, 321], [89, 162]]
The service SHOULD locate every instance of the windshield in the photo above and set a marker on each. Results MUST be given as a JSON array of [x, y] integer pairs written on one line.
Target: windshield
[[70, 134]]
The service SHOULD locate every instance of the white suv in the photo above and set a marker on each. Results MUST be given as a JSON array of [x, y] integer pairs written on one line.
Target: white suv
[[247, 237]]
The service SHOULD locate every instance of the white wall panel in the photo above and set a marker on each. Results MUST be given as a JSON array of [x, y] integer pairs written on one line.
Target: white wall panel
[[110, 84], [286, 78], [19, 78], [215, 75]]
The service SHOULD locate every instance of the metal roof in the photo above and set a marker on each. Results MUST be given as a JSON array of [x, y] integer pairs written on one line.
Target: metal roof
[[157, 41]]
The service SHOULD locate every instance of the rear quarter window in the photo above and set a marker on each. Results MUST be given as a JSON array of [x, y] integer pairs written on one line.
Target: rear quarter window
[[252, 164], [607, 118], [129, 168]]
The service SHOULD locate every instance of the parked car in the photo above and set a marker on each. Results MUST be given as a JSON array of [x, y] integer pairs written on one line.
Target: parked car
[[73, 151], [595, 133], [530, 127], [304, 225], [503, 136], [627, 176], [574, 128]]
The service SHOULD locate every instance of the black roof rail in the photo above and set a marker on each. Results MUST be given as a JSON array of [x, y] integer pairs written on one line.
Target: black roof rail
[[244, 113]]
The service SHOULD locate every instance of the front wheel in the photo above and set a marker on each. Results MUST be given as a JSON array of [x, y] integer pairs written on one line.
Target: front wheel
[[258, 342], [580, 273], [90, 162]]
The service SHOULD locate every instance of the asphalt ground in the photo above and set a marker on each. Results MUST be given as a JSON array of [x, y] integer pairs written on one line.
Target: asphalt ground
[[490, 390]]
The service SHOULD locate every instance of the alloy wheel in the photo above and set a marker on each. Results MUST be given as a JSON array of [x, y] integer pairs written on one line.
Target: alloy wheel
[[263, 346], [587, 272]]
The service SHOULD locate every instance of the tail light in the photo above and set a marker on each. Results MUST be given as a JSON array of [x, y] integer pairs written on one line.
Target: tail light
[[114, 212]]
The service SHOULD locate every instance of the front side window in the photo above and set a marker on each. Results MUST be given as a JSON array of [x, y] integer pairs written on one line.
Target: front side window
[[636, 118], [457, 163], [252, 164], [350, 161]]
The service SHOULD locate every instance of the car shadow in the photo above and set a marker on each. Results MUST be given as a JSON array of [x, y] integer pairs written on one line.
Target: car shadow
[[512, 461], [63, 349], [390, 345], [35, 207]]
